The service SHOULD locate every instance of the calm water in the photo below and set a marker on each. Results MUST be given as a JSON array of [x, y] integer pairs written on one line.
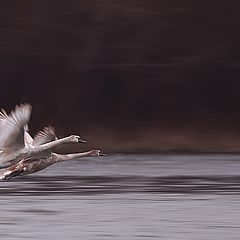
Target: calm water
[[126, 197]]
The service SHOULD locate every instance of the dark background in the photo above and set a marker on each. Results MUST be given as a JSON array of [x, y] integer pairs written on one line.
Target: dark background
[[126, 75]]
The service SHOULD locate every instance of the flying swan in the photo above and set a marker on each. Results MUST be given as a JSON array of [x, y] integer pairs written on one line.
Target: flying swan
[[20, 154]]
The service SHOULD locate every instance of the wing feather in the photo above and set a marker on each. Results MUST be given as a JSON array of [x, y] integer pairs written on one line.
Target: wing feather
[[44, 136], [12, 127]]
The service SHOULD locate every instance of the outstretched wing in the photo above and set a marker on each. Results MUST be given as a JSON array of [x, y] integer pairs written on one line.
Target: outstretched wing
[[45, 136], [12, 127]]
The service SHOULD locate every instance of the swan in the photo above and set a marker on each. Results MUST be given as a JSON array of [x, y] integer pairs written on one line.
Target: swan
[[29, 166], [39, 162], [17, 144]]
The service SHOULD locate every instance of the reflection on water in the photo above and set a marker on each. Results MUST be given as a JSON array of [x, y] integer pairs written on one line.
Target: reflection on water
[[126, 197]]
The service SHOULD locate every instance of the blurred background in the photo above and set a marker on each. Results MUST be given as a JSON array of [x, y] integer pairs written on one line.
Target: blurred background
[[129, 76]]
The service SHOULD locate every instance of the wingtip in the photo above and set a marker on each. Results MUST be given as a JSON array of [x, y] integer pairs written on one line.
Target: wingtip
[[26, 106], [49, 129]]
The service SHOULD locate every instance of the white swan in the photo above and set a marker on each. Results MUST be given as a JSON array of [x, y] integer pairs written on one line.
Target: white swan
[[17, 144]]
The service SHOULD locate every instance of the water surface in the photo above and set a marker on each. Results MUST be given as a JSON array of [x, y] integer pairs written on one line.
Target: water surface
[[126, 197]]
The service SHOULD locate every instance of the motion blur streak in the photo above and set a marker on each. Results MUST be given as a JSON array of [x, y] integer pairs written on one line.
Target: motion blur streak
[[148, 75]]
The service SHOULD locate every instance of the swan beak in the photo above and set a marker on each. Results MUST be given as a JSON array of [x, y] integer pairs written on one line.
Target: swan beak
[[80, 140], [102, 155]]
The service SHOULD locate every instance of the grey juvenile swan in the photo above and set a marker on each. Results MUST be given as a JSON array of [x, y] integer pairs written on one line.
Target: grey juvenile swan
[[41, 161], [15, 141]]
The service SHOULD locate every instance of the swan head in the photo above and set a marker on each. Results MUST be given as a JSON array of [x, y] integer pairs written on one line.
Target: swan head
[[76, 139], [80, 140], [97, 153]]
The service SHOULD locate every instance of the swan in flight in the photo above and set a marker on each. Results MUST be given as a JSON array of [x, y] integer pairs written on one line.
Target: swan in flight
[[16, 143], [41, 161]]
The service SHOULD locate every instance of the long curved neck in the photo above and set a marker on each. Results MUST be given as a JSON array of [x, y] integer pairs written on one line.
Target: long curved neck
[[50, 145], [64, 157]]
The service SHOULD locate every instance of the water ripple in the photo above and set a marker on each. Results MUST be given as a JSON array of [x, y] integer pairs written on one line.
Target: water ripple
[[85, 185]]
